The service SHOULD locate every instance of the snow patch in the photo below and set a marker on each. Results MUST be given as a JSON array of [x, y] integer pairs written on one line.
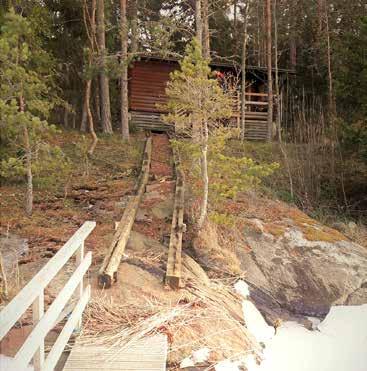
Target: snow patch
[[255, 323], [197, 357], [339, 344], [241, 287]]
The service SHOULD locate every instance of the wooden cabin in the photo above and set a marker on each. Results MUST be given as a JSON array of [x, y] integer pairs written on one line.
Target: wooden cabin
[[148, 78]]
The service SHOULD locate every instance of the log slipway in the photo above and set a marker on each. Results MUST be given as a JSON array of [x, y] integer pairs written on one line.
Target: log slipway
[[150, 353]]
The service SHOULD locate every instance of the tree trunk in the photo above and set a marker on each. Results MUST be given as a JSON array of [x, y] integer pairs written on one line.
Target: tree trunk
[[83, 124], [293, 37], [104, 81], [97, 103], [277, 89], [269, 67], [332, 105], [90, 26], [204, 175], [90, 118], [124, 78], [243, 71], [199, 22], [235, 26], [28, 164], [206, 31], [134, 27]]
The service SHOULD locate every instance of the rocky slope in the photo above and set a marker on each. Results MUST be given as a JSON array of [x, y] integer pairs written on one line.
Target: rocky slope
[[292, 261]]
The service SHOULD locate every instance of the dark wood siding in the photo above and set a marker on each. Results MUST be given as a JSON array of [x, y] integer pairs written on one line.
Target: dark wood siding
[[147, 84]]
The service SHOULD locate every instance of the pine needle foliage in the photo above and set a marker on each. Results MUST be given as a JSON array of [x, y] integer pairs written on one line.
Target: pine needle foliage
[[26, 101], [195, 96]]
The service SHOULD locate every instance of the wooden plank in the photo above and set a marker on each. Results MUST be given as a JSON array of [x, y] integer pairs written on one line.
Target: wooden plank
[[148, 354], [11, 313], [47, 321], [108, 271], [66, 332], [255, 103], [174, 261]]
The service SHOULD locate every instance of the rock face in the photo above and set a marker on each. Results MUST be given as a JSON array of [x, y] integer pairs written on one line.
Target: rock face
[[301, 265]]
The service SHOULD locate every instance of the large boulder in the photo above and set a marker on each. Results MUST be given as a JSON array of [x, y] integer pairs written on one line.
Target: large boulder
[[300, 264]]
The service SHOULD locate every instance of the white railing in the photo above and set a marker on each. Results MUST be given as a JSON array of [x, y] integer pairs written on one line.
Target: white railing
[[43, 322]]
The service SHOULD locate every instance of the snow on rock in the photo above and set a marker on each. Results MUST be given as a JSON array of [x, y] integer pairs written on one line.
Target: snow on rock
[[227, 366], [241, 287], [340, 344], [255, 323], [7, 364], [197, 357]]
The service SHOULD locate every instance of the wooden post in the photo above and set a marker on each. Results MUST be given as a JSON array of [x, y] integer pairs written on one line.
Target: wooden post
[[37, 313]]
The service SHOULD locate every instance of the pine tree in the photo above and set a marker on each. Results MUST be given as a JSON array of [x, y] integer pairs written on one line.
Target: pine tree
[[196, 100], [25, 104]]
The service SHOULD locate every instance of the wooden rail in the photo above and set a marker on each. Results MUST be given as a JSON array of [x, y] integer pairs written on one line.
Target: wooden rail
[[108, 271], [174, 261], [33, 294]]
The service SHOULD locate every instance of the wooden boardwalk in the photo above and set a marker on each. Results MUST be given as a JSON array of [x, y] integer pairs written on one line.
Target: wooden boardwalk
[[148, 354]]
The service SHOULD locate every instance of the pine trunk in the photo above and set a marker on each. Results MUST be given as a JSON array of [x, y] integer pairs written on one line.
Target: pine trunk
[[277, 89], [90, 118], [204, 175], [243, 73], [28, 164], [124, 78], [134, 27], [83, 124], [103, 79], [206, 31], [199, 22], [269, 67]]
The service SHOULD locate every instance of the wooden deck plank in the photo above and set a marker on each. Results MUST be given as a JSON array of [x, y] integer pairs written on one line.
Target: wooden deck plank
[[148, 354]]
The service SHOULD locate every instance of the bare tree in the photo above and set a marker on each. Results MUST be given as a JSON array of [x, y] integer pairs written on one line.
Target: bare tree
[[206, 31], [243, 70], [277, 89], [124, 76], [199, 22], [269, 66], [134, 26], [104, 81], [90, 27], [28, 162]]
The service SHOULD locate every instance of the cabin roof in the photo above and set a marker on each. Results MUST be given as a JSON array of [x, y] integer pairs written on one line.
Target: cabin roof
[[215, 63]]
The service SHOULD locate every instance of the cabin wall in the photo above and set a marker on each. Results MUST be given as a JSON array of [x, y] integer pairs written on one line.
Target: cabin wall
[[147, 84]]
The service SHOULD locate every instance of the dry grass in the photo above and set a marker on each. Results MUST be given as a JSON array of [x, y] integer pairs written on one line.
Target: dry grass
[[215, 247], [211, 318]]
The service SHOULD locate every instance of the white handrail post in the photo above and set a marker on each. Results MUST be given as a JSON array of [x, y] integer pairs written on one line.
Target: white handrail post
[[79, 258], [37, 313]]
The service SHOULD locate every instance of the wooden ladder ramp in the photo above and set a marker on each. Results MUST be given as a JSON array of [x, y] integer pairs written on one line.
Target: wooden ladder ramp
[[108, 271], [148, 354], [174, 261]]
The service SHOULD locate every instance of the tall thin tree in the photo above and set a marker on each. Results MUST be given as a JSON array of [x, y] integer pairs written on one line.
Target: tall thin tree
[[104, 81], [134, 26], [124, 73], [243, 69], [198, 22], [206, 30], [269, 66], [89, 17]]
